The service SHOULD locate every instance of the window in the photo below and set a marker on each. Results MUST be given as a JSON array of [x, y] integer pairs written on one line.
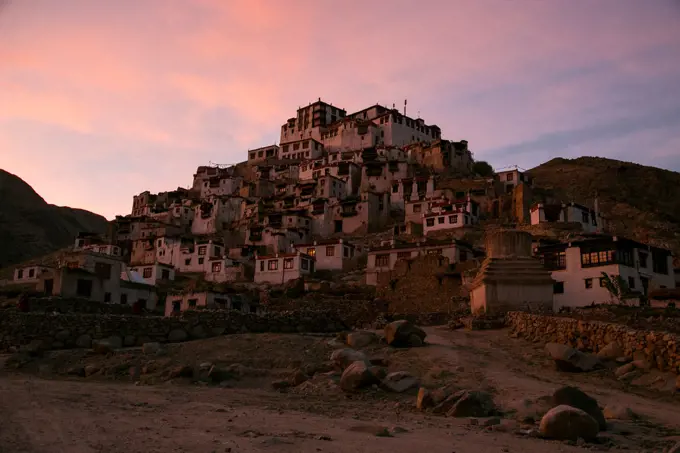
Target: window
[[434, 252], [599, 258], [602, 282], [20, 274], [165, 274], [403, 255], [330, 250], [84, 288], [146, 273], [236, 305], [192, 303], [202, 250], [440, 220], [296, 146], [304, 264], [589, 283], [201, 260], [123, 299], [416, 208], [305, 144], [631, 282], [217, 251], [285, 148], [509, 177], [187, 262], [103, 270], [659, 262], [311, 251], [160, 241], [453, 218], [31, 273], [107, 297], [345, 252], [395, 188], [382, 260], [288, 263], [273, 265], [558, 288], [463, 255], [262, 266], [555, 260], [430, 221], [585, 218], [643, 259]]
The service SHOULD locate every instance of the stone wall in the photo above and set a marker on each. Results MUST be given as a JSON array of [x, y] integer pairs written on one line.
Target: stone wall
[[660, 349], [68, 305], [421, 285], [56, 331]]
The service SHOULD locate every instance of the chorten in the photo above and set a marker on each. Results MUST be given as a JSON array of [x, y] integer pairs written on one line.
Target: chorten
[[510, 278]]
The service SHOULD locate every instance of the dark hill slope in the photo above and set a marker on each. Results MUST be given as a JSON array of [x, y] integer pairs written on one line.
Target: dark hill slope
[[641, 202], [30, 227]]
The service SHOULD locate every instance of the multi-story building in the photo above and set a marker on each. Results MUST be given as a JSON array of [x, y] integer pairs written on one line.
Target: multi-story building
[[591, 220], [264, 153], [384, 258], [511, 178], [215, 214], [281, 267], [329, 254], [578, 266], [310, 122]]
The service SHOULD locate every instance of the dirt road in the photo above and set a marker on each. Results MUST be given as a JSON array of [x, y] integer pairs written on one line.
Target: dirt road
[[102, 414]]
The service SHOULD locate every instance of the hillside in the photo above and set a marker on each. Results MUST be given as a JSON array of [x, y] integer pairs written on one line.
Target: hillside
[[31, 227], [641, 202]]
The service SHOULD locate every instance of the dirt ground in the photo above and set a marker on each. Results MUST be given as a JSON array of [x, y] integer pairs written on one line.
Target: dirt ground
[[42, 409]]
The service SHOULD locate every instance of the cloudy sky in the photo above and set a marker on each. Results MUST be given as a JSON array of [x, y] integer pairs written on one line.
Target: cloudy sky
[[100, 100]]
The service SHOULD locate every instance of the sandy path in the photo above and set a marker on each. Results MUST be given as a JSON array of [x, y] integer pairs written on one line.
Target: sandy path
[[66, 416]]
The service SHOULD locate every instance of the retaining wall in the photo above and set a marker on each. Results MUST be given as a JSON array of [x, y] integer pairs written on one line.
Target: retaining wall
[[660, 349]]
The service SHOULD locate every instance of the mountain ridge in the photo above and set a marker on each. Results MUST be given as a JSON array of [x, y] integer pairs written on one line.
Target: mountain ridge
[[30, 227]]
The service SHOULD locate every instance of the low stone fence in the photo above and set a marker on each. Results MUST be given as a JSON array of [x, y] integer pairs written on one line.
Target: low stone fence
[[660, 349], [68, 305], [57, 331]]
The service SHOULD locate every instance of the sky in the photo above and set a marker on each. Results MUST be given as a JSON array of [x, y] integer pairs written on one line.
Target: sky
[[102, 100]]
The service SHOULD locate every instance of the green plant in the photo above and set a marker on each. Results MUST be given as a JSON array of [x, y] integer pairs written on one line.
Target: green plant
[[482, 168], [617, 287]]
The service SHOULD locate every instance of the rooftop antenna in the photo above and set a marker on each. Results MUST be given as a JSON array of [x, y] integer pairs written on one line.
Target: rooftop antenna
[[405, 107]]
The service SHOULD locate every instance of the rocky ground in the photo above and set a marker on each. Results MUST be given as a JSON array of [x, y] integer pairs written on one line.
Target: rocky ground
[[217, 395]]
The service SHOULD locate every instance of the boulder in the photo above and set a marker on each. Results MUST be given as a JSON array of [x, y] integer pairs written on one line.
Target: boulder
[[102, 347], [616, 412], [181, 371], [280, 385], [399, 382], [76, 371], [473, 404], [151, 348], [35, 348], [91, 369], [198, 332], [297, 377], [115, 341], [84, 341], [624, 369], [572, 360], [129, 340], [399, 334], [342, 358], [62, 336], [611, 352], [568, 423], [445, 405], [356, 376], [177, 335], [574, 397], [643, 365], [361, 339]]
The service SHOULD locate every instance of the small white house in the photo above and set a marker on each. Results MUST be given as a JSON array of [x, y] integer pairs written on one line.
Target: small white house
[[577, 269], [29, 274], [178, 303], [280, 268], [590, 219], [509, 179], [151, 274], [330, 254]]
